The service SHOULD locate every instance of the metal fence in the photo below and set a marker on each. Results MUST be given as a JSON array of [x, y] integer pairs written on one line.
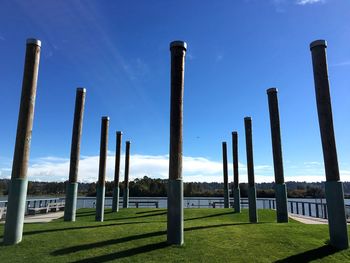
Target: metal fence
[[305, 208]]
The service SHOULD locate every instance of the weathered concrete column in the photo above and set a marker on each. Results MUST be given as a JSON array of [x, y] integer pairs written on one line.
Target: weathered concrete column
[[18, 185], [118, 149], [100, 187], [253, 217], [72, 184], [236, 190], [126, 176], [175, 228], [280, 186], [225, 172], [333, 186]]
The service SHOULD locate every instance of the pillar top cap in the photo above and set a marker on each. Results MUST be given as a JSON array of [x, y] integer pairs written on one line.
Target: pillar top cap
[[105, 118], [272, 90], [34, 41], [178, 43], [248, 118], [119, 132], [319, 42], [81, 89], [128, 142], [234, 132]]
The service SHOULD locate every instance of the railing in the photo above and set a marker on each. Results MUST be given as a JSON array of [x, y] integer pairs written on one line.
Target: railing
[[305, 208], [36, 203], [312, 209]]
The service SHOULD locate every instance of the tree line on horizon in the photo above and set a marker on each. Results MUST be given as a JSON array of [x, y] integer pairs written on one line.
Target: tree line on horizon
[[149, 187]]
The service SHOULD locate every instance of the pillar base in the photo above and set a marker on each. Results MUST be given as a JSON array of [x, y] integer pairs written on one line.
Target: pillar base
[[126, 198], [338, 232], [281, 203], [100, 203], [71, 201], [175, 227], [16, 207], [115, 201], [253, 217], [237, 200]]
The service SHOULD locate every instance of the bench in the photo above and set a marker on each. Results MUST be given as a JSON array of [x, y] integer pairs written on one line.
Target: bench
[[51, 207], [136, 203], [41, 210], [231, 203], [54, 207]]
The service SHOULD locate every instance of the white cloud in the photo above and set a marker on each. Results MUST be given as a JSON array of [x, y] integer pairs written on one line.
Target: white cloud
[[306, 2], [195, 169]]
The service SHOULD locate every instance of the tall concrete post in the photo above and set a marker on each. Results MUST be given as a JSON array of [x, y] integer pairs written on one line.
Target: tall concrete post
[[118, 149], [72, 184], [280, 186], [18, 185], [225, 172], [126, 176], [100, 188], [333, 186], [236, 190], [175, 227], [253, 217]]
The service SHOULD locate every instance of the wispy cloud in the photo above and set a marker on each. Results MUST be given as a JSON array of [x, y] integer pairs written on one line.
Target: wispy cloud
[[341, 64], [307, 2], [279, 5], [219, 57]]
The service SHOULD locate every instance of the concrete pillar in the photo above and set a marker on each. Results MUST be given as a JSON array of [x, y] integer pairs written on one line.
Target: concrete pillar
[[253, 217], [236, 190], [118, 149], [126, 176], [280, 186], [100, 187], [225, 172], [333, 186], [175, 229], [72, 184], [18, 185]]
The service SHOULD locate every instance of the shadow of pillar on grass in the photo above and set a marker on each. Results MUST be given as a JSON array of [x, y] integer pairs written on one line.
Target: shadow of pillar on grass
[[128, 252], [310, 255], [34, 232], [125, 253]]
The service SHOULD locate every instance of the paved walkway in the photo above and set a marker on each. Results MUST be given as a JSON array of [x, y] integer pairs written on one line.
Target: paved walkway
[[41, 218], [308, 219]]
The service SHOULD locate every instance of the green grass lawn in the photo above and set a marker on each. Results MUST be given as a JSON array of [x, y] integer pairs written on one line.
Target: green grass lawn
[[139, 235]]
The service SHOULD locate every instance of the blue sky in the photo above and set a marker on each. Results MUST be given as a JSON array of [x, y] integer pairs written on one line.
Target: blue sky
[[119, 51]]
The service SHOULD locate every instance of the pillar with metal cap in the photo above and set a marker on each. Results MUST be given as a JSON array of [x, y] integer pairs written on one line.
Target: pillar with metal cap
[[236, 190], [280, 186], [225, 172], [126, 175], [18, 185], [333, 186], [118, 149], [175, 227], [100, 188], [253, 217], [72, 184]]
